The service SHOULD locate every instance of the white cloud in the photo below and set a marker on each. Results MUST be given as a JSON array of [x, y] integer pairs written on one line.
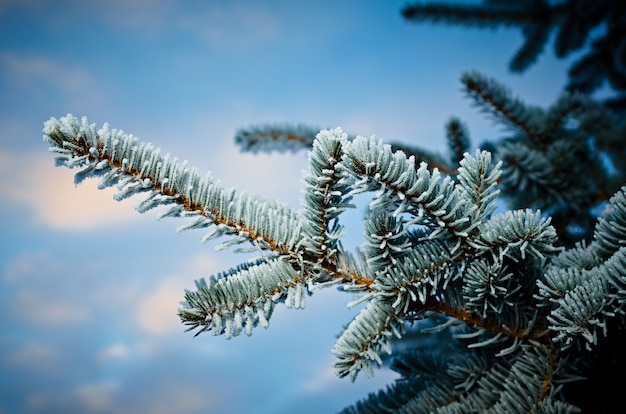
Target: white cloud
[[156, 312], [98, 396], [144, 16], [50, 193], [113, 352], [222, 24]]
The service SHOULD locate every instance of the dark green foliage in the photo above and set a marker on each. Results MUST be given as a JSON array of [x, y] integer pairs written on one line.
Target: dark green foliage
[[573, 21], [458, 140], [555, 159], [465, 382]]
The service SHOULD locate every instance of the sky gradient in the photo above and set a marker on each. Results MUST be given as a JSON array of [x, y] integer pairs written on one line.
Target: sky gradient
[[89, 288]]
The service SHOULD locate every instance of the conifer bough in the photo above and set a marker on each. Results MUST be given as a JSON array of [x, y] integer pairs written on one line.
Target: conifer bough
[[514, 301]]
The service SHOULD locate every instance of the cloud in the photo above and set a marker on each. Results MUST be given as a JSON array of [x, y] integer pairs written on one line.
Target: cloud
[[86, 398], [156, 312], [228, 24], [114, 352], [46, 309], [184, 397], [321, 381], [145, 16], [221, 24], [34, 355], [26, 268], [50, 194], [36, 75], [113, 398], [41, 297]]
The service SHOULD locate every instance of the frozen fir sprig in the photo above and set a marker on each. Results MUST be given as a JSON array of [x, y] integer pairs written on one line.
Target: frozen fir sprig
[[309, 239], [433, 247], [134, 167], [242, 298]]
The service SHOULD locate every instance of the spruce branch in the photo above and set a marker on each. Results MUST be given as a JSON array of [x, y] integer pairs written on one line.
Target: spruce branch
[[386, 241], [326, 195], [242, 298], [464, 382], [517, 233], [405, 267], [559, 113], [533, 330], [457, 136], [498, 13], [610, 232], [499, 102], [276, 137], [280, 138], [479, 177], [399, 186], [536, 37], [583, 74], [423, 273], [556, 160], [121, 160], [584, 287], [360, 344], [432, 247], [573, 20]]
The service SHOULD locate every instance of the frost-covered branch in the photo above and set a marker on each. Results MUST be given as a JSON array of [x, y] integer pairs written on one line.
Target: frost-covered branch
[[514, 295], [135, 167]]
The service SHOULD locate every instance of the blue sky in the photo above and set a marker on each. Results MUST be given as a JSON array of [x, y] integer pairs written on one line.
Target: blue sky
[[89, 288]]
